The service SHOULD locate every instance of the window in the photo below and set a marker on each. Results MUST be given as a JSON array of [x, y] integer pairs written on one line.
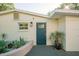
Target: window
[[16, 15], [23, 25], [41, 26]]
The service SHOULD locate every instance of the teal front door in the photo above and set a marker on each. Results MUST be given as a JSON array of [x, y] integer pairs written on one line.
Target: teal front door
[[41, 33]]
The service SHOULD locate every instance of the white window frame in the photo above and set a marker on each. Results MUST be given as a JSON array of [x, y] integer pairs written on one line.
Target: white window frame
[[24, 26]]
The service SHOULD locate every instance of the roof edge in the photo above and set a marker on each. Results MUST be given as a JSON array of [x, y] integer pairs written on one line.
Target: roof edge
[[23, 11]]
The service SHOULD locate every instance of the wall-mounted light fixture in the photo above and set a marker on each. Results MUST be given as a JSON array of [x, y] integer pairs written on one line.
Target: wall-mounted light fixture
[[31, 23]]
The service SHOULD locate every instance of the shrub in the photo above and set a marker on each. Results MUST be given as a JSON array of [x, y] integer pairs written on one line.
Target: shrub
[[58, 38], [3, 46], [6, 46], [10, 45], [17, 43], [22, 41]]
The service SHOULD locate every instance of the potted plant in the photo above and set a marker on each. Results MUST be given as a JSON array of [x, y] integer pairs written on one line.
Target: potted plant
[[57, 37]]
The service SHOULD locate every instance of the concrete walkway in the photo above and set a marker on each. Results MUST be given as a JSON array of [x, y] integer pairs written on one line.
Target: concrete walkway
[[43, 50]]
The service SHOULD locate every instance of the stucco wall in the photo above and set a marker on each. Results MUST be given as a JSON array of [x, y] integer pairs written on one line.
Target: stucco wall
[[31, 30], [10, 26], [62, 28], [51, 27], [72, 33]]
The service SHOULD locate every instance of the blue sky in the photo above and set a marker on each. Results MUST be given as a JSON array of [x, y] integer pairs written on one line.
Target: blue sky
[[42, 8]]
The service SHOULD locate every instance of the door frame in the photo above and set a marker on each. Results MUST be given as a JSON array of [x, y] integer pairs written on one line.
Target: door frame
[[45, 31]]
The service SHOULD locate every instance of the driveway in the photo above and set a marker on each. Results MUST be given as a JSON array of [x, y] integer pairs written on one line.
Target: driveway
[[42, 50]]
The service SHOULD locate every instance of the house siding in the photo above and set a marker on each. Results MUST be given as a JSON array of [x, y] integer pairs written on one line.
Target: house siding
[[62, 28], [51, 27], [67, 24], [10, 26], [72, 33]]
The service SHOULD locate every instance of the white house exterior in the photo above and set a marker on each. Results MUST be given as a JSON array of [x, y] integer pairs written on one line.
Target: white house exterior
[[27, 24]]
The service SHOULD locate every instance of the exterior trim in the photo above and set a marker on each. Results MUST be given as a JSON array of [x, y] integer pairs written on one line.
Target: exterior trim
[[23, 11]]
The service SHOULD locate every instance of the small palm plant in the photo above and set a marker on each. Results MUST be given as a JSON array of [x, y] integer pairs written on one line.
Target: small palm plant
[[58, 38]]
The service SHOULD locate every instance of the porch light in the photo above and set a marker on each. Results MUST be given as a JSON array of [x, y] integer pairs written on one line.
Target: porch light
[[31, 24]]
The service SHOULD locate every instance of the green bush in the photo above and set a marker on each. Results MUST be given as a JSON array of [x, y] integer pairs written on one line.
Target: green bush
[[58, 38], [22, 41], [3, 46], [6, 46], [18, 43]]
